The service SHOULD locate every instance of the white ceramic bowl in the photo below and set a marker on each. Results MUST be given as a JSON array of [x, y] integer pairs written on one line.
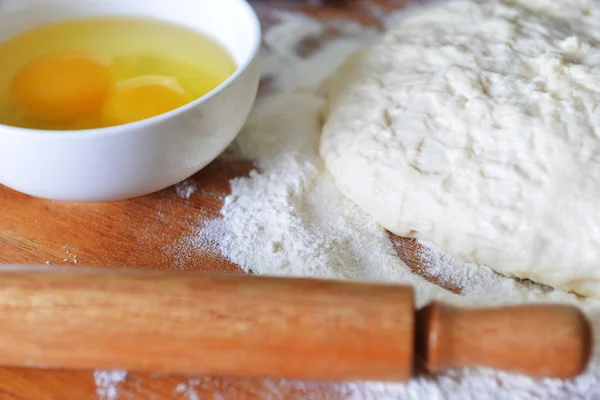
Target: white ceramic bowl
[[143, 157]]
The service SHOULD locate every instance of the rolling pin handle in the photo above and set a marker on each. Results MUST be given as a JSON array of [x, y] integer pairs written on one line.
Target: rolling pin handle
[[548, 340]]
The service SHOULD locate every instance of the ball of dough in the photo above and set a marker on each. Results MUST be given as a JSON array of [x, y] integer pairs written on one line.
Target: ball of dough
[[476, 125]]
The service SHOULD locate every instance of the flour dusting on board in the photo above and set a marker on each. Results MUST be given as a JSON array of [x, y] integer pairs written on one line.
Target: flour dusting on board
[[107, 383], [282, 62], [185, 189], [188, 390], [287, 218]]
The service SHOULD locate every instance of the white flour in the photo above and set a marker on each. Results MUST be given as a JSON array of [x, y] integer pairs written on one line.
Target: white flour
[[187, 390], [287, 218], [107, 383], [185, 189], [280, 59]]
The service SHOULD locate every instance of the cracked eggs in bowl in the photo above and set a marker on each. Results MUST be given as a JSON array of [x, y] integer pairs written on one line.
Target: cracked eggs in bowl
[[104, 100]]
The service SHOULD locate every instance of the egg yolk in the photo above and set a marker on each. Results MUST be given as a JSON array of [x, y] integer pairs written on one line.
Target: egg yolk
[[142, 99], [62, 86]]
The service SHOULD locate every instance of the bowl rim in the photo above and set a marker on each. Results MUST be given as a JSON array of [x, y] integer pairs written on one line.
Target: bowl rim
[[111, 130]]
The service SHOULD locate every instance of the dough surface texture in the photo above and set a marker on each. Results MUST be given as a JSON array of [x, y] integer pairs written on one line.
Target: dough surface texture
[[476, 125]]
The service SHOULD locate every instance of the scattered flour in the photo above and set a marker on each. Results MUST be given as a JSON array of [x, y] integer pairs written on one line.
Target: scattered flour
[[287, 218], [282, 43], [107, 383], [70, 257], [185, 189], [187, 390]]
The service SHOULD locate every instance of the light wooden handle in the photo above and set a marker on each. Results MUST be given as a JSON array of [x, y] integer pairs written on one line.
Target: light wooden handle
[[250, 326], [208, 324], [539, 340]]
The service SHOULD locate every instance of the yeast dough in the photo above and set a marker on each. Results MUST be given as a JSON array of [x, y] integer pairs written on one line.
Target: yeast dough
[[476, 125]]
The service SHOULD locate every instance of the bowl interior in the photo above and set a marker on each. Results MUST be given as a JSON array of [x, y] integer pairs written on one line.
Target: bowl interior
[[231, 23]]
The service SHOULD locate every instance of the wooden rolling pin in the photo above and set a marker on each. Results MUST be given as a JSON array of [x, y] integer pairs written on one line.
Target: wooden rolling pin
[[250, 326]]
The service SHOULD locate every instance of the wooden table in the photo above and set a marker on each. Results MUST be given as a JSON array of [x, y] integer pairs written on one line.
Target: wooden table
[[140, 233]]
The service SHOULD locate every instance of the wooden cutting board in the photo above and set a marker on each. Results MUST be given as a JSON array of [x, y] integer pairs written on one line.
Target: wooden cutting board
[[141, 233]]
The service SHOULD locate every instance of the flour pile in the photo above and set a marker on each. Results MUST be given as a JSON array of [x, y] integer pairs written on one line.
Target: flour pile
[[288, 218]]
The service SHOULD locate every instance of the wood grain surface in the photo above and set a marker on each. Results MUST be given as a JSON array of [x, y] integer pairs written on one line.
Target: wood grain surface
[[143, 233]]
